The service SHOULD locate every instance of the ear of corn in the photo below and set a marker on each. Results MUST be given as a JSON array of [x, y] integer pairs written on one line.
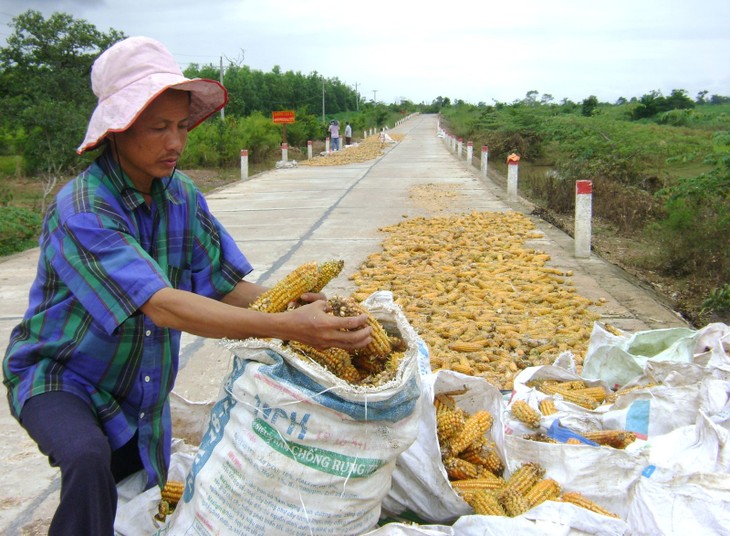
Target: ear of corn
[[485, 481], [379, 346], [466, 347], [513, 502], [578, 499], [449, 423], [525, 413], [540, 436], [485, 457], [618, 439], [474, 428], [485, 503], [326, 272], [277, 298], [546, 489], [459, 469], [524, 477], [547, 406], [172, 491]]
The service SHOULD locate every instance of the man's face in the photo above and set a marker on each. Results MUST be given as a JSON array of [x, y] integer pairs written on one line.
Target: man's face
[[151, 147]]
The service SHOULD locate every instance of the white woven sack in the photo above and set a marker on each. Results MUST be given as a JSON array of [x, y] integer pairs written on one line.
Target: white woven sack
[[293, 450]]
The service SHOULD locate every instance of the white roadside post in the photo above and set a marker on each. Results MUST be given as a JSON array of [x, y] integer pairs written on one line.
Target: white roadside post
[[327, 145], [309, 149], [284, 152], [583, 215], [485, 159], [244, 163], [513, 162], [469, 152], [459, 145]]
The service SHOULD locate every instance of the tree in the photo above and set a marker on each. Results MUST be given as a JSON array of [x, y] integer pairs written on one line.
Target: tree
[[44, 73], [589, 106]]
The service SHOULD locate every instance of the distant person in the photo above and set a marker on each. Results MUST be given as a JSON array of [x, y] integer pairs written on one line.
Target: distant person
[[334, 130], [130, 257], [348, 134]]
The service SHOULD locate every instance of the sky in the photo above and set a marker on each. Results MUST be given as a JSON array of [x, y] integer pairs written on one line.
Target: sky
[[473, 50]]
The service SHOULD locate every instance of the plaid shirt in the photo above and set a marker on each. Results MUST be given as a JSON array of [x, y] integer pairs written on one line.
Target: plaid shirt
[[103, 253]]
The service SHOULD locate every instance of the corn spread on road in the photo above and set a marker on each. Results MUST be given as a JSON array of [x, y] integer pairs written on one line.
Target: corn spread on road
[[489, 286]]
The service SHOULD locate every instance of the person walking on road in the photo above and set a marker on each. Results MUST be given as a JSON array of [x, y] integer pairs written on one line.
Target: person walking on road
[[130, 256], [334, 130], [348, 134]]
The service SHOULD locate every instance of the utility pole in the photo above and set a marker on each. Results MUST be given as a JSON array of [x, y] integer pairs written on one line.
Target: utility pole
[[375, 94], [357, 99], [223, 113], [323, 117]]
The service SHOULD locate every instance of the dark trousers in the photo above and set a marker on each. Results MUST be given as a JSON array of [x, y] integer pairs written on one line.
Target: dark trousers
[[68, 432]]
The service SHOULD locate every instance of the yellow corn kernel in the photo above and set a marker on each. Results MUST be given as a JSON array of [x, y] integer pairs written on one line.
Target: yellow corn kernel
[[578, 499], [475, 427], [546, 489], [523, 412], [277, 298]]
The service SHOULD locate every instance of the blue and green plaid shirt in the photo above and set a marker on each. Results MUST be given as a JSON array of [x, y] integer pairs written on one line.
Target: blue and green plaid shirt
[[103, 253]]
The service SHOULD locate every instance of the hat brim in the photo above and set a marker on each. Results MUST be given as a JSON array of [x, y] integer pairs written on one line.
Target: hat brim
[[119, 111]]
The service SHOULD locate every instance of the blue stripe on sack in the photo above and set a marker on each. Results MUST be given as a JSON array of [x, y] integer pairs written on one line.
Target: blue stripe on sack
[[399, 406], [637, 418]]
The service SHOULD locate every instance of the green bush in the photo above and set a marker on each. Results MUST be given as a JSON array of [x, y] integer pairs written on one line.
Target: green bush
[[19, 229]]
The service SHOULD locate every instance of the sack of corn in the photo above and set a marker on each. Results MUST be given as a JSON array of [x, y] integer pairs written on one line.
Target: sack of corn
[[294, 448], [459, 448], [619, 357]]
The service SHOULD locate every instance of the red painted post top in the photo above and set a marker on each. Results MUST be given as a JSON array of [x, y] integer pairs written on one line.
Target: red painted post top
[[460, 140], [309, 142], [244, 152], [513, 159], [583, 187], [470, 143], [485, 148], [284, 146]]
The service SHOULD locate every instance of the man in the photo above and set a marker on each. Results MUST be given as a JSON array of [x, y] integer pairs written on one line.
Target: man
[[348, 134], [334, 130], [130, 256]]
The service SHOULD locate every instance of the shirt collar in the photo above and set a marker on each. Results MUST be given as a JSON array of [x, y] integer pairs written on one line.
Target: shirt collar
[[131, 198]]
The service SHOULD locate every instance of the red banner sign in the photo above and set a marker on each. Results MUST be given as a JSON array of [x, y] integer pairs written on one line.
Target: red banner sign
[[284, 116]]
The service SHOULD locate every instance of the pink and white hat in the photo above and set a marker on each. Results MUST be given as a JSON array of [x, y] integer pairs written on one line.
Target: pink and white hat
[[129, 75]]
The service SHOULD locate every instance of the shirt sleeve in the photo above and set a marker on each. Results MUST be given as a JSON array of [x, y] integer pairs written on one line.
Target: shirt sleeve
[[218, 264], [104, 267]]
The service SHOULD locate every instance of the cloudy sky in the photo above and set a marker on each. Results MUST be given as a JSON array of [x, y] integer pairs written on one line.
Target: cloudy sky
[[475, 50]]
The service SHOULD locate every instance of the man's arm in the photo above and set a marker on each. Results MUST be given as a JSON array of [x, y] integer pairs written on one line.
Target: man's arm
[[309, 324]]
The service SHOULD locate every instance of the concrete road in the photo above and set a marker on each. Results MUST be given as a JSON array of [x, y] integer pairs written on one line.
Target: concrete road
[[283, 218]]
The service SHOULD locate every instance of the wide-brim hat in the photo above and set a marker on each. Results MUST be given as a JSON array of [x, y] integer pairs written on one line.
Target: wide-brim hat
[[129, 75]]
